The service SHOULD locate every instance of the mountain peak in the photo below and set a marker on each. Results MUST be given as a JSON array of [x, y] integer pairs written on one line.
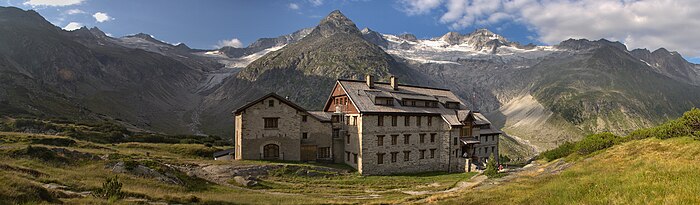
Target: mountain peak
[[334, 23]]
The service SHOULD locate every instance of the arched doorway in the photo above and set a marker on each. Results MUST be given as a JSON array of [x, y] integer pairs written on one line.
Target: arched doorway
[[271, 151]]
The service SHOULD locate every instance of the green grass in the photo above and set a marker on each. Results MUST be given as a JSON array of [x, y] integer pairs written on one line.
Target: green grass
[[650, 171], [23, 171]]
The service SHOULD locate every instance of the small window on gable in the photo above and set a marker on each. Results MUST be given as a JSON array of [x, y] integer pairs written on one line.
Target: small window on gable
[[271, 103], [303, 118]]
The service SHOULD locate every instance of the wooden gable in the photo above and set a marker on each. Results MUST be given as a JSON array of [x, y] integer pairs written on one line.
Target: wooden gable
[[339, 98]]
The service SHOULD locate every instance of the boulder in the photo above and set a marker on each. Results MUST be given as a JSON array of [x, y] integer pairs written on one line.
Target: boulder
[[244, 182]]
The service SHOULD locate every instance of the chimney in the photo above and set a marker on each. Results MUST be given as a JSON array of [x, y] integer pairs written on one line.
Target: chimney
[[394, 84], [370, 81]]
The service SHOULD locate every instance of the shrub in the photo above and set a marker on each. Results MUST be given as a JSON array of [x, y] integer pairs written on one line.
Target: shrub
[[595, 142], [111, 189], [491, 169], [41, 153], [63, 142], [562, 151]]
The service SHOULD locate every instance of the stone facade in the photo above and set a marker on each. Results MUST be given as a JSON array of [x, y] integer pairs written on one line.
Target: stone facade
[[376, 128], [294, 128]]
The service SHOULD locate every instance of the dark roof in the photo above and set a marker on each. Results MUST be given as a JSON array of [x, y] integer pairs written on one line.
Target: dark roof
[[400, 85], [281, 99], [274, 95], [223, 152], [322, 116]]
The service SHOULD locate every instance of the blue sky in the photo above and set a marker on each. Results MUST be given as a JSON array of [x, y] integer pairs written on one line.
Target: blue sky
[[206, 24]]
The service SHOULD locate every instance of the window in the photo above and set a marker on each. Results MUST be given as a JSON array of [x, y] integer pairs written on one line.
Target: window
[[479, 150], [380, 120], [303, 118], [394, 138], [430, 120], [432, 153], [406, 138], [380, 158], [347, 156], [354, 120], [394, 118], [271, 103], [304, 135], [422, 154], [454, 141], [393, 157], [271, 122], [324, 152], [347, 139], [380, 140], [407, 120], [457, 153], [466, 131], [493, 149], [418, 119], [413, 103], [493, 138], [347, 120], [422, 138], [432, 137], [354, 158], [487, 138], [406, 155], [336, 133], [335, 119]]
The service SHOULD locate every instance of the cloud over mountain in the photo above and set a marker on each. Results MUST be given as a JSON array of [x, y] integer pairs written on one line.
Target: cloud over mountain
[[639, 24]]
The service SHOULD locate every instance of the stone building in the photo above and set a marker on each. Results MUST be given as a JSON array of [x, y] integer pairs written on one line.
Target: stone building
[[377, 128]]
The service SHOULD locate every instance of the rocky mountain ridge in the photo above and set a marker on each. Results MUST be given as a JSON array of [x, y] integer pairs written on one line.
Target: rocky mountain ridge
[[540, 95]]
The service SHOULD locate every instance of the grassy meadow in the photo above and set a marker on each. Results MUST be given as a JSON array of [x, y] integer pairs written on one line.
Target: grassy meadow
[[27, 164]]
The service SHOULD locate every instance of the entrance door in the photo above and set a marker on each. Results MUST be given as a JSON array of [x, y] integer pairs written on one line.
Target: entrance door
[[308, 153], [271, 151]]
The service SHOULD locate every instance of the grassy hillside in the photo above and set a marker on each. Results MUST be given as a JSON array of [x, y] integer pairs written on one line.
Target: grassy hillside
[[657, 165], [48, 169]]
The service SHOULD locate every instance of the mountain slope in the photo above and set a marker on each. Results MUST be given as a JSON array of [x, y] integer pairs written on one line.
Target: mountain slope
[[333, 49], [545, 95], [48, 72]]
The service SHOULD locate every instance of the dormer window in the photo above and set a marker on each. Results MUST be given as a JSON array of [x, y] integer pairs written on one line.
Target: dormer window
[[452, 105], [384, 101]]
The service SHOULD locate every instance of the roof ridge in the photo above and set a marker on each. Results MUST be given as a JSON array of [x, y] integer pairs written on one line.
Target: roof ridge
[[400, 84]]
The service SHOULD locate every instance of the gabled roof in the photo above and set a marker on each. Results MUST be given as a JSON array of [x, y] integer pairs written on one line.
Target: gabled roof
[[285, 101], [274, 95], [481, 119], [363, 98]]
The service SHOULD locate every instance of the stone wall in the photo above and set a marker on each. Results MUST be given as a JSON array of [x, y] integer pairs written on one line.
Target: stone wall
[[487, 144], [369, 133], [252, 136]]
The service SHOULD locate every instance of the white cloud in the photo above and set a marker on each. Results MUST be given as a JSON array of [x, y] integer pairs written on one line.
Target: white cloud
[[232, 43], [293, 6], [72, 26], [316, 2], [102, 17], [651, 24], [74, 11], [416, 7], [52, 2]]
